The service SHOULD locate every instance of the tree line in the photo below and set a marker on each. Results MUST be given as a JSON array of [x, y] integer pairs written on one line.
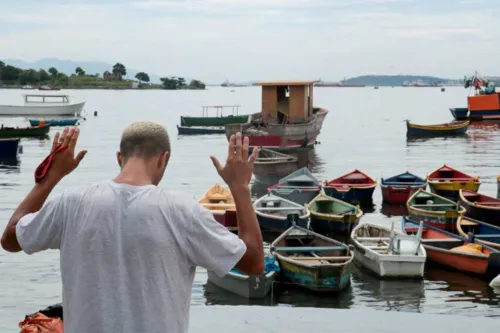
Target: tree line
[[12, 75]]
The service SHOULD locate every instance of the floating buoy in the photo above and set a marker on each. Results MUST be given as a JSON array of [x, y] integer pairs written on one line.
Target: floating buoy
[[95, 113], [443, 89]]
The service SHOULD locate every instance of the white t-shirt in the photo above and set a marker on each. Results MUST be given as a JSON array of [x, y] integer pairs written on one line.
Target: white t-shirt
[[128, 255]]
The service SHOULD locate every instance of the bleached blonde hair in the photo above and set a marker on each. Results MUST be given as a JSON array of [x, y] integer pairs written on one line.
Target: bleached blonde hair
[[144, 139]]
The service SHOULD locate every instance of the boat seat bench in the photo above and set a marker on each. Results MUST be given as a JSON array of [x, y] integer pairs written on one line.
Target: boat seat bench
[[310, 248], [439, 240]]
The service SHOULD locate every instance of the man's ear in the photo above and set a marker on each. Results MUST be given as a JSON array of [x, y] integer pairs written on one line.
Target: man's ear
[[119, 159]]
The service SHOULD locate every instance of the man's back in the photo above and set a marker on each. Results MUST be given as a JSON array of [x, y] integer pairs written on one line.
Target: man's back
[[128, 256]]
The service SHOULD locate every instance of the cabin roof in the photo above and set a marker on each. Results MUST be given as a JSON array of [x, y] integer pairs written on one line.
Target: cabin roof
[[283, 83]]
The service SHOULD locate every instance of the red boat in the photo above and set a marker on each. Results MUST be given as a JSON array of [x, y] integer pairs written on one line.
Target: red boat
[[481, 207], [288, 119], [219, 201], [354, 187], [398, 189], [447, 182]]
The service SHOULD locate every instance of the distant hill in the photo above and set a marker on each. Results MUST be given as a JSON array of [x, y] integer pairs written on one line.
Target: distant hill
[[68, 67], [393, 80]]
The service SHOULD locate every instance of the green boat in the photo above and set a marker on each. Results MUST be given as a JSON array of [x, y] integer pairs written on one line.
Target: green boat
[[329, 214], [219, 119], [17, 132]]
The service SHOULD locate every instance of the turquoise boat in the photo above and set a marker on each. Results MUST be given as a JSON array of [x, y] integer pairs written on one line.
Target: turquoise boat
[[54, 122]]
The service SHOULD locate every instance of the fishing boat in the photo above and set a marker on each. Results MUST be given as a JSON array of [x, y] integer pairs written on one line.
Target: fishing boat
[[313, 261], [447, 182], [271, 165], [397, 189], [447, 129], [272, 212], [219, 201], [187, 130], [354, 187], [452, 251], [47, 105], [9, 149], [288, 119], [54, 122], [484, 233], [45, 87], [329, 214], [248, 286], [480, 206], [388, 254], [300, 186], [460, 113], [434, 210], [219, 119], [17, 132]]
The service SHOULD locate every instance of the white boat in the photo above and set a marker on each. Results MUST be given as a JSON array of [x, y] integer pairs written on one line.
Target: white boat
[[388, 254], [46, 105]]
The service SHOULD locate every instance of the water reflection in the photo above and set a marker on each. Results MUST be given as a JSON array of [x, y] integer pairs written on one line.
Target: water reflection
[[456, 138], [10, 165], [217, 296], [297, 296], [393, 210]]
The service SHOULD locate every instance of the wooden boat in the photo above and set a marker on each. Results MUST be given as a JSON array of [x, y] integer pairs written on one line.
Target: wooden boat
[[50, 105], [271, 165], [447, 129], [388, 254], [219, 119], [248, 286], [17, 132], [285, 122], [9, 149], [397, 189], [186, 130], [484, 233], [272, 212], [313, 261], [447, 182], [434, 210], [484, 103], [354, 187], [300, 186], [54, 122], [453, 251], [480, 207], [498, 187], [219, 201], [460, 113], [329, 214]]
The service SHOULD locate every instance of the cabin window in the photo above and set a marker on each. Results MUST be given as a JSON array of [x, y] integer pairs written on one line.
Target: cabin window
[[34, 99]]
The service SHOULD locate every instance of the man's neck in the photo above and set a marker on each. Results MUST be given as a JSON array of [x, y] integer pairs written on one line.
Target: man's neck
[[134, 173]]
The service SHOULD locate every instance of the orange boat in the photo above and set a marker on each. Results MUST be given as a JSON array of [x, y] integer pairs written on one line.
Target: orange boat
[[452, 251], [219, 201]]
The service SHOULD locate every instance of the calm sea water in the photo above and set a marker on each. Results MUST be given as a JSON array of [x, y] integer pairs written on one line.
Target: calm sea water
[[365, 129]]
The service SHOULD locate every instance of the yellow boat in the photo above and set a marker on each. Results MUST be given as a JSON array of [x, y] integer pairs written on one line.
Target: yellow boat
[[448, 129], [447, 182], [219, 201]]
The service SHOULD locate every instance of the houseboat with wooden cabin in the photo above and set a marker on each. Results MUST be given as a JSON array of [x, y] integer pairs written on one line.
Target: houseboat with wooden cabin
[[288, 119]]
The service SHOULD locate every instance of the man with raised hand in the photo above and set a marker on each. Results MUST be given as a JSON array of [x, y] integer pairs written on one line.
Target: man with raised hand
[[129, 248]]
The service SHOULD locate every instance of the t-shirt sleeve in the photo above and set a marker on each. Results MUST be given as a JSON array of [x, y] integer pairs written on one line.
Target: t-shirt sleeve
[[42, 230], [210, 245]]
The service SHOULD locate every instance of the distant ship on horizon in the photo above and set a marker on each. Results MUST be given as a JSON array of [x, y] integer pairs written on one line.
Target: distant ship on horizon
[[228, 84], [420, 84], [339, 84]]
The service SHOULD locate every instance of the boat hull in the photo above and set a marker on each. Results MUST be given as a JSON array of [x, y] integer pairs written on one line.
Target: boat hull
[[398, 194], [325, 225], [252, 287], [184, 130], [9, 149], [484, 214], [215, 121], [451, 189], [227, 218], [25, 132], [54, 122], [467, 263], [460, 113], [483, 233], [57, 110], [442, 130], [298, 195], [352, 195], [442, 220], [484, 114], [278, 223]]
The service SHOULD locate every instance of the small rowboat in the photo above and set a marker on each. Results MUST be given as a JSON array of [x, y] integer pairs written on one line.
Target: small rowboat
[[272, 212], [484, 233], [456, 252], [219, 201], [480, 207], [448, 129], [447, 182], [10, 149], [313, 261], [329, 214], [460, 113], [271, 165], [32, 131], [187, 130], [388, 254], [54, 122], [434, 210], [354, 187], [397, 189], [300, 186]]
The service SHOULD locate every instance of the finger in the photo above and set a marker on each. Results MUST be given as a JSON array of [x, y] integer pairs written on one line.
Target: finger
[[244, 151], [238, 145], [216, 163], [56, 141], [68, 136], [80, 156], [63, 135], [232, 144], [73, 139], [255, 154]]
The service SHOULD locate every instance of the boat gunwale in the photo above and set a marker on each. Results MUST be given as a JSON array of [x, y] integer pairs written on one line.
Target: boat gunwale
[[327, 183], [293, 207], [444, 127], [461, 210], [357, 210], [477, 205], [480, 241], [434, 180]]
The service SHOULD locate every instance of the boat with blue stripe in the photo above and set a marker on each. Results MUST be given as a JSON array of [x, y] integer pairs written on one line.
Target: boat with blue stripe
[[54, 122], [272, 212], [482, 232], [446, 129]]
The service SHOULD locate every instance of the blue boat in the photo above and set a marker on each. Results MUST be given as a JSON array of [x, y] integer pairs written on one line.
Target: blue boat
[[54, 122], [460, 113], [313, 261], [356, 187], [9, 149], [397, 189], [448, 129], [482, 232], [272, 212], [187, 130]]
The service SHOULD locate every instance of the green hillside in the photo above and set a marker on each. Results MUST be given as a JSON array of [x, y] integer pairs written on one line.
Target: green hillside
[[392, 80]]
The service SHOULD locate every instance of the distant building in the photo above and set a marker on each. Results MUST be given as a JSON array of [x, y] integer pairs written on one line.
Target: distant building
[[135, 85], [111, 76]]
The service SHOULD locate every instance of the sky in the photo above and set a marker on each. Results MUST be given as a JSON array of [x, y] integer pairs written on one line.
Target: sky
[[243, 40]]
